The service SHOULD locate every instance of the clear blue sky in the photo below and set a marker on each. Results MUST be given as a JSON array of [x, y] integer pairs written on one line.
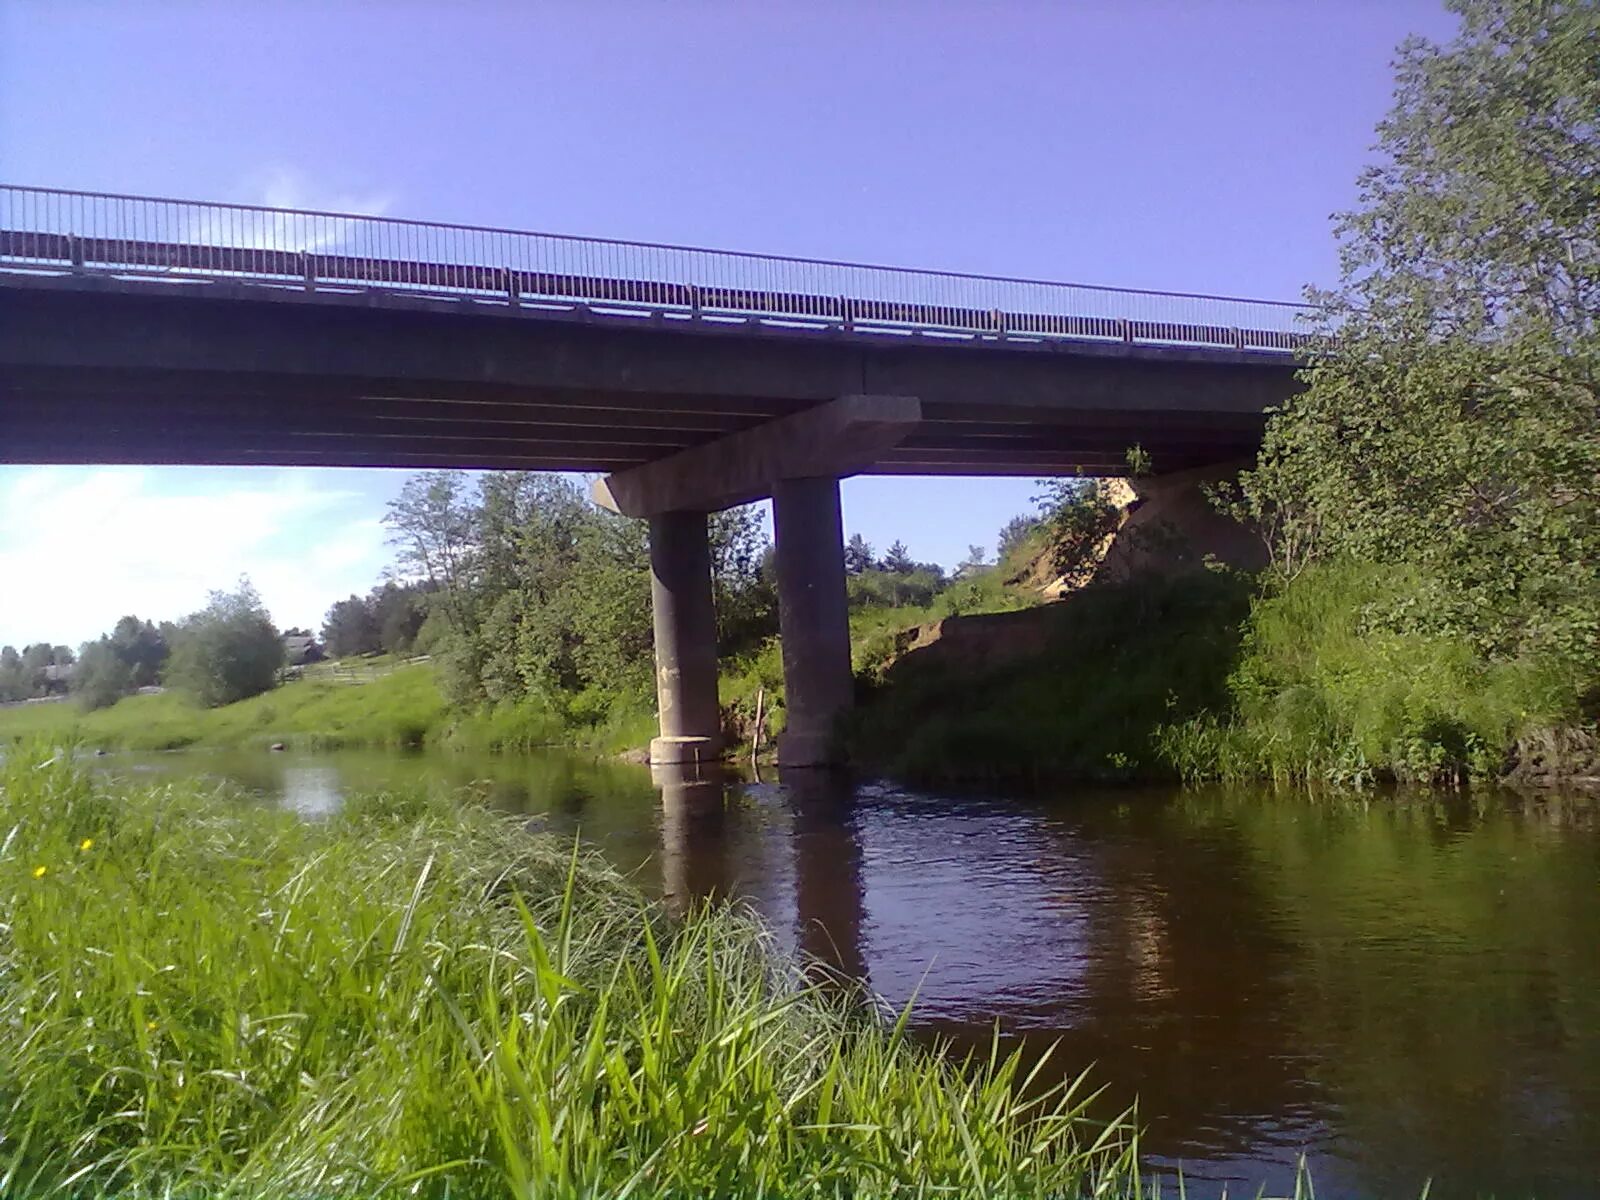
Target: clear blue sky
[[1184, 145]]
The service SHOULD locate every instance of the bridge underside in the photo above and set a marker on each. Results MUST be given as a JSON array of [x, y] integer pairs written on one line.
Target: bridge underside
[[682, 416], [186, 374]]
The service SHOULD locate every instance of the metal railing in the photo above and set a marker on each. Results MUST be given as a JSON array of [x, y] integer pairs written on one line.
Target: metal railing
[[47, 229]]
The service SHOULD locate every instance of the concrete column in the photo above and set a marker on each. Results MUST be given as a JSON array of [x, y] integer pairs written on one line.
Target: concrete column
[[686, 640], [813, 616]]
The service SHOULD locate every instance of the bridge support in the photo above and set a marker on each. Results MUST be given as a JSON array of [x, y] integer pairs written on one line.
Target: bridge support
[[813, 616], [686, 640]]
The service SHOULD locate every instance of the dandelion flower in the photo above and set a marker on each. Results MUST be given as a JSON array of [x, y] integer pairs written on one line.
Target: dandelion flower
[[86, 844], [38, 872], [150, 1026]]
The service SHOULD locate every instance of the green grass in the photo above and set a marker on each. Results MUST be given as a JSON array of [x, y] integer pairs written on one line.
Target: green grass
[[1217, 675], [1329, 687], [200, 996], [402, 708], [395, 708], [1116, 664]]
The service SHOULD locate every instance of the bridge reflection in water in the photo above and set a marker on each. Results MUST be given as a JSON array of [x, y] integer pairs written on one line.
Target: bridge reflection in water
[[710, 839], [1267, 975]]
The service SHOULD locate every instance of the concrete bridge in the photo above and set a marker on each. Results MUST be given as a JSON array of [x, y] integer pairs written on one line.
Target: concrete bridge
[[140, 330]]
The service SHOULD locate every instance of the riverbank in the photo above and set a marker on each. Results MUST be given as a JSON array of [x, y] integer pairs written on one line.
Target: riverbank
[[1208, 676], [384, 706], [418, 996], [1222, 676]]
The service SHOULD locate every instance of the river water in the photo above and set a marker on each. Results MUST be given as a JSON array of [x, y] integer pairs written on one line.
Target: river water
[[1399, 988]]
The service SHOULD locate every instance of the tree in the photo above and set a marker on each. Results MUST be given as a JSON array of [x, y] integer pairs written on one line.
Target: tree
[[857, 555], [130, 656], [898, 559], [1078, 516], [432, 525], [142, 648], [746, 595], [975, 560], [399, 610], [12, 686], [227, 651], [103, 676], [350, 628], [1451, 419], [1014, 533]]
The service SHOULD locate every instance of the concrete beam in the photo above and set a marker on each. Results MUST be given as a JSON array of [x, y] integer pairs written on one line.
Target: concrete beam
[[834, 439]]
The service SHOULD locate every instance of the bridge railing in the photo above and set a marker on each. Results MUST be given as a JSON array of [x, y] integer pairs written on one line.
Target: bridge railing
[[45, 229]]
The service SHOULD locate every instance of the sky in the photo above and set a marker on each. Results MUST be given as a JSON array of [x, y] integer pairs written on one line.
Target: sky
[[1187, 145]]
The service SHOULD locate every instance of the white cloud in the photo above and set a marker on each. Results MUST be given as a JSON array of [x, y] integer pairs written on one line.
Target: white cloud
[[286, 188], [80, 547]]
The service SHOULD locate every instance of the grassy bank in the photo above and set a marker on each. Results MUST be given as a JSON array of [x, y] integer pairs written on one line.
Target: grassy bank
[[397, 708], [401, 708], [1336, 681], [1215, 675], [1113, 665], [200, 995]]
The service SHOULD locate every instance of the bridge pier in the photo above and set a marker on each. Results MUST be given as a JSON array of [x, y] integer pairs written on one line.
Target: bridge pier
[[813, 616], [686, 640]]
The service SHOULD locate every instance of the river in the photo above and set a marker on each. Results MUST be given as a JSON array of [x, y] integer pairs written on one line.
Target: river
[[1400, 988]]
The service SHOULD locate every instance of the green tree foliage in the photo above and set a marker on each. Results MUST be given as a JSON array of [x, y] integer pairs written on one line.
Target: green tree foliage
[[1077, 516], [977, 558], [399, 610], [102, 677], [143, 647], [131, 656], [227, 651], [744, 580], [915, 587], [898, 559], [1451, 419], [350, 628], [857, 555], [1013, 534], [37, 670], [541, 593]]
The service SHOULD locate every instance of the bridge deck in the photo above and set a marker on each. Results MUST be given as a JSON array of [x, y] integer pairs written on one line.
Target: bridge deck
[[136, 329]]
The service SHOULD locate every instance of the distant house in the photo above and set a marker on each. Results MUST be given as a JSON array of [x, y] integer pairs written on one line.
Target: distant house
[[58, 677], [301, 648]]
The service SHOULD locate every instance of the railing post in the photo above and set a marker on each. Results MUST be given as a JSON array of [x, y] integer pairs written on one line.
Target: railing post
[[694, 301], [513, 293], [846, 320], [1238, 338], [999, 319], [75, 251], [308, 270], [1127, 330]]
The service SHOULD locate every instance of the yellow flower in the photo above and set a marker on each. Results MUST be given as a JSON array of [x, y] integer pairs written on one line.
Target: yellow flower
[[150, 1026], [38, 872], [86, 844]]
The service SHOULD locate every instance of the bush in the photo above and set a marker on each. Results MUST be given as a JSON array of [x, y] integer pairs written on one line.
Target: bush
[[1334, 683], [227, 651]]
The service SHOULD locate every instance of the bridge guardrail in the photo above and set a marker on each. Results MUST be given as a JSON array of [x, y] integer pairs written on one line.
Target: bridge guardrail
[[44, 229]]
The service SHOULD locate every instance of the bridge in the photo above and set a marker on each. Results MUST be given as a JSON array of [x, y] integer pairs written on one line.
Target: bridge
[[145, 330]]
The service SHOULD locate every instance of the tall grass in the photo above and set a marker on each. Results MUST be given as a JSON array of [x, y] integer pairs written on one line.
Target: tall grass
[[1334, 683], [1115, 663], [402, 708], [199, 996]]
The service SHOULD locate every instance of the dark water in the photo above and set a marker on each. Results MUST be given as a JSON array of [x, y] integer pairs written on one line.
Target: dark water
[[1401, 989]]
